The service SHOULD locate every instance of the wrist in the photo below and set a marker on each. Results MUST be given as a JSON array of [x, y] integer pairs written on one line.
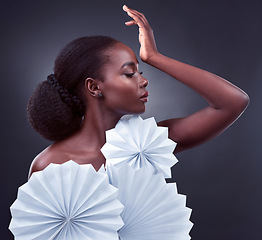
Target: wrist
[[153, 58]]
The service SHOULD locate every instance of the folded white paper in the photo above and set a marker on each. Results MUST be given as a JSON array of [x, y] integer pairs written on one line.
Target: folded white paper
[[153, 209], [67, 201], [140, 143]]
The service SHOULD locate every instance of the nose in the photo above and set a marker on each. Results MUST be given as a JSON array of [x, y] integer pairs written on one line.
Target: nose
[[143, 82]]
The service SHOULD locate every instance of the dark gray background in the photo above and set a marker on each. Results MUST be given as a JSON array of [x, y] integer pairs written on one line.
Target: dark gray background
[[222, 178]]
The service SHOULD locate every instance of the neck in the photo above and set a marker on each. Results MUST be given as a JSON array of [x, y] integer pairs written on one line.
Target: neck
[[96, 122]]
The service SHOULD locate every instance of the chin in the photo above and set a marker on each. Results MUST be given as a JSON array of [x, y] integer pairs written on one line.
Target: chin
[[141, 111], [138, 110]]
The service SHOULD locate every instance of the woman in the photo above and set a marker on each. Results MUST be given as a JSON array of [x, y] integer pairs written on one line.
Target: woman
[[96, 81]]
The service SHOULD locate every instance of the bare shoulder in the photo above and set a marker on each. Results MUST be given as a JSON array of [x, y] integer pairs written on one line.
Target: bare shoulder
[[47, 156]]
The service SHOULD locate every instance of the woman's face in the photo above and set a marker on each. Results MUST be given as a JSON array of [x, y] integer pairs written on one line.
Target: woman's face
[[124, 88]]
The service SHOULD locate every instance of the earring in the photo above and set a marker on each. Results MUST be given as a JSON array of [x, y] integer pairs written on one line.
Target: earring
[[100, 95]]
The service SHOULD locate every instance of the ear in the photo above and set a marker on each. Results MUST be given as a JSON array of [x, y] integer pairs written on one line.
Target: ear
[[92, 87]]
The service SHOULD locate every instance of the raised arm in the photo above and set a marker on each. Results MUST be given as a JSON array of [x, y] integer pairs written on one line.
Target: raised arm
[[226, 101]]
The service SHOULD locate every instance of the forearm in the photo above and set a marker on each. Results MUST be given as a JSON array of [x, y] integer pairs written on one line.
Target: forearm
[[218, 92]]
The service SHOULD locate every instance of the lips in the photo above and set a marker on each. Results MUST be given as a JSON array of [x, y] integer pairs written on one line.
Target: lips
[[144, 97]]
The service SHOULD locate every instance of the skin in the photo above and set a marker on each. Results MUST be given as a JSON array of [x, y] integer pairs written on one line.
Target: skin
[[122, 89]]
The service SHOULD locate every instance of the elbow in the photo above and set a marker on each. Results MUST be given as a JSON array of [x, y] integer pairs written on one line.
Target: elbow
[[240, 103], [243, 101]]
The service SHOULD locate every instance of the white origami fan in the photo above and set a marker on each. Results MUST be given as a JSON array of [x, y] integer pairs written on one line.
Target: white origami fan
[[67, 202], [139, 143], [153, 209]]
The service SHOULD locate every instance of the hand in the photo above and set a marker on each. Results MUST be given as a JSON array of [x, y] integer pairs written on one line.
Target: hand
[[146, 36]]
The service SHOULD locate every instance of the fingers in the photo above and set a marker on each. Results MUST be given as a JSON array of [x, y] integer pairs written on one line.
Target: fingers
[[138, 18], [130, 23], [131, 14], [133, 11], [125, 8]]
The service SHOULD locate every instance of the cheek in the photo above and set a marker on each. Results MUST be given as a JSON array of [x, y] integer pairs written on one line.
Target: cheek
[[122, 95], [121, 88]]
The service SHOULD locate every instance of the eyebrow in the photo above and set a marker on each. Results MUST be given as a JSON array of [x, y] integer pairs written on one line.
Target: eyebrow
[[129, 64]]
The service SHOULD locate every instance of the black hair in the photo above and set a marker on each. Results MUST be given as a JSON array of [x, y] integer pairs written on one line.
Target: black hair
[[56, 107]]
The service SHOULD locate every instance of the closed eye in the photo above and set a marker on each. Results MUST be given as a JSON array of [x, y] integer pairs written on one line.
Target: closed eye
[[132, 74]]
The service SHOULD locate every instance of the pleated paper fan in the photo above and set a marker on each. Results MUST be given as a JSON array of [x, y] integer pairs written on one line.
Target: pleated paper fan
[[67, 202], [140, 143], [153, 209]]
